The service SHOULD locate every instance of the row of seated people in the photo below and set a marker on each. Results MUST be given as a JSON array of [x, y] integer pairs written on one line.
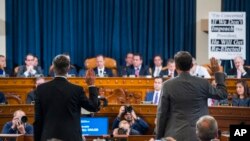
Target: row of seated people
[[104, 66], [126, 123], [240, 98]]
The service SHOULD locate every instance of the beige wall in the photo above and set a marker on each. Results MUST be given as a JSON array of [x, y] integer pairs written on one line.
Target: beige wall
[[203, 7], [2, 28], [202, 10]]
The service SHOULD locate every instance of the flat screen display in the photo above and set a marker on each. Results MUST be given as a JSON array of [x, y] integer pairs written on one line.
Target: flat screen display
[[94, 126]]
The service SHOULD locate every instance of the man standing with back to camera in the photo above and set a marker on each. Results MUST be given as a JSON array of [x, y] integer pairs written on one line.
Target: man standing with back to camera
[[184, 100], [58, 104]]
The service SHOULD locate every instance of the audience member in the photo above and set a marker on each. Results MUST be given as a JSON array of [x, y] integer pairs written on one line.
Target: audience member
[[154, 96], [138, 69], [2, 98], [184, 100], [101, 70], [157, 69], [58, 104], [125, 129], [171, 72], [239, 71], [206, 128], [242, 94], [18, 125], [29, 70], [31, 95], [71, 72], [129, 115], [128, 63], [199, 71], [3, 70]]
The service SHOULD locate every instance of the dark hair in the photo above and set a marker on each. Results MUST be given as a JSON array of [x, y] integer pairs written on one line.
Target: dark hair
[[183, 60], [170, 60], [137, 54], [158, 56], [245, 85], [61, 64], [158, 77]]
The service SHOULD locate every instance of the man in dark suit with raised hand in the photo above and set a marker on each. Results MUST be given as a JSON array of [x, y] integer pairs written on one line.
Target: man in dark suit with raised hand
[[58, 104], [184, 100]]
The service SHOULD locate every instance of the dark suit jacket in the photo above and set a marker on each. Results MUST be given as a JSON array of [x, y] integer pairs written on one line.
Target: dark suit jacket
[[143, 71], [161, 74], [22, 69], [234, 72], [107, 72], [30, 97], [183, 102], [57, 109], [175, 73]]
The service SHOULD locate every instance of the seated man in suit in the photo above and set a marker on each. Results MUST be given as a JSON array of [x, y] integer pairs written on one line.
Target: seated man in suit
[[31, 95], [206, 128], [154, 96], [138, 69], [3, 70], [100, 69], [71, 72], [18, 125], [171, 72], [157, 69], [2, 98], [199, 71], [239, 71], [136, 123], [128, 63], [29, 70]]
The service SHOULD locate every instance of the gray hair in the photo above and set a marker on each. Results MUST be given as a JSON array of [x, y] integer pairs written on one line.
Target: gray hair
[[206, 128]]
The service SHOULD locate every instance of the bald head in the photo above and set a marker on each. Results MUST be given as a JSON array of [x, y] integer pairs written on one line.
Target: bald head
[[206, 128]]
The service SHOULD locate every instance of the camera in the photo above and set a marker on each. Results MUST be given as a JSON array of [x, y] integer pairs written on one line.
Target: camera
[[128, 109], [122, 131], [103, 102], [24, 119]]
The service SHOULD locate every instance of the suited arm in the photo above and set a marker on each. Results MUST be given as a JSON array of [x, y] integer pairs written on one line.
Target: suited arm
[[38, 124], [220, 92], [143, 125], [163, 113], [247, 73], [91, 104], [116, 123]]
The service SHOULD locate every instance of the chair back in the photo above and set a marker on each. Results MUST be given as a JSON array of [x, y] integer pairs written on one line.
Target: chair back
[[110, 63]]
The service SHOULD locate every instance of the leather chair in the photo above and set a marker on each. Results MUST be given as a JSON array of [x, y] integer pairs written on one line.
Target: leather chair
[[110, 63]]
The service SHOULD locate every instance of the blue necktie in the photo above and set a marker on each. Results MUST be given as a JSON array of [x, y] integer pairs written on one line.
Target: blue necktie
[[156, 98]]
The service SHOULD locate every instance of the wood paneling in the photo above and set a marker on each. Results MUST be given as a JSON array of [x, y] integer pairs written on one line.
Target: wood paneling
[[224, 115], [118, 90]]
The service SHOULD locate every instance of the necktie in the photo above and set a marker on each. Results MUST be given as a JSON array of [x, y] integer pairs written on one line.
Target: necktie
[[238, 74], [100, 73], [137, 72], [156, 98]]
